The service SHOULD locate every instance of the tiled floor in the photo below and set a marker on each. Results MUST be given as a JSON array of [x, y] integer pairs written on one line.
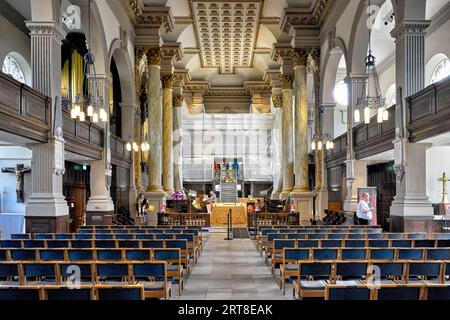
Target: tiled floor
[[230, 270]]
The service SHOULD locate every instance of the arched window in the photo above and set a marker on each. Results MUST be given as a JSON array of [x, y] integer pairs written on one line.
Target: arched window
[[442, 71], [341, 93], [13, 68]]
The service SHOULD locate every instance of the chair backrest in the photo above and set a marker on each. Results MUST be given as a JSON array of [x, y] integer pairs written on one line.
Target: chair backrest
[[102, 236], [79, 244], [112, 270], [37, 269], [410, 254], [308, 243], [116, 293], [19, 293], [417, 235], [331, 243], [137, 254], [166, 254], [149, 269], [21, 236], [347, 293], [389, 269], [395, 236], [373, 236], [33, 244], [82, 236], [356, 236], [400, 292], [382, 254], [57, 244], [23, 254], [438, 254], [10, 244], [443, 243], [182, 244], [109, 254], [120, 231], [103, 231], [378, 243], [67, 294], [78, 269], [424, 243], [80, 254], [273, 236], [441, 236], [336, 236], [294, 254], [353, 254], [355, 243], [128, 244], [283, 243], [51, 254], [9, 270], [144, 236], [426, 269], [43, 236], [315, 269], [3, 255], [120, 236], [325, 254], [402, 243], [313, 236], [296, 236], [105, 244], [438, 292], [351, 269], [152, 244]]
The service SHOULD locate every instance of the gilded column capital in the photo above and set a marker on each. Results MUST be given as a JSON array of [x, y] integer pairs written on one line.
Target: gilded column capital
[[315, 58], [300, 57], [286, 81], [277, 100], [177, 100], [167, 81], [154, 56]]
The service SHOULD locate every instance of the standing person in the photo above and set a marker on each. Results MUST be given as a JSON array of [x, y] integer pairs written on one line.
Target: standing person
[[363, 211], [212, 199]]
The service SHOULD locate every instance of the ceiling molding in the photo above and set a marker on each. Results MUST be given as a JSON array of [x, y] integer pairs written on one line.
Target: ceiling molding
[[184, 20], [191, 50], [300, 17], [270, 20]]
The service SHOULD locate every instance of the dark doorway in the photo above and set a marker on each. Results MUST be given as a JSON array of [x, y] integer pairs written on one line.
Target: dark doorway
[[382, 176]]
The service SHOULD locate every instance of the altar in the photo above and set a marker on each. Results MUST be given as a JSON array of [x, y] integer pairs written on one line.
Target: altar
[[219, 214], [11, 223]]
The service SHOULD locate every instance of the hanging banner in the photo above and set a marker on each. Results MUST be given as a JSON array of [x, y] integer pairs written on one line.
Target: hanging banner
[[372, 191]]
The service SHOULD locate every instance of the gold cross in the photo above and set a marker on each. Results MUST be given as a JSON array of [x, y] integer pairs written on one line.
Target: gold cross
[[444, 181]]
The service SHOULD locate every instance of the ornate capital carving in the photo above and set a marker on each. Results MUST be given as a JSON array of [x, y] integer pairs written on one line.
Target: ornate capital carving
[[154, 56], [286, 81], [177, 100], [300, 57], [277, 100], [52, 29], [167, 81], [410, 28], [315, 57]]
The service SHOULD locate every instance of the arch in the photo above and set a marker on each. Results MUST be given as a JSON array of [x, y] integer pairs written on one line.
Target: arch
[[431, 66], [23, 65], [125, 68], [390, 95]]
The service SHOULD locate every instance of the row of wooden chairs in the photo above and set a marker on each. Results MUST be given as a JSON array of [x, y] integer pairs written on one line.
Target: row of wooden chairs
[[264, 233], [26, 236], [319, 227], [81, 293], [288, 259], [98, 227], [312, 277], [152, 275], [386, 292]]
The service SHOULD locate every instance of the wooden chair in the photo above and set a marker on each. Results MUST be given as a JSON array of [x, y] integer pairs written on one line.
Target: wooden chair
[[120, 292], [338, 292], [153, 276], [312, 278], [289, 265], [174, 265]]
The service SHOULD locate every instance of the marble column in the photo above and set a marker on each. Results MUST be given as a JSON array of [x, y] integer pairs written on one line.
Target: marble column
[[411, 209], [301, 120], [167, 133], [356, 171], [177, 142], [277, 100], [46, 209], [100, 206], [155, 192], [287, 132]]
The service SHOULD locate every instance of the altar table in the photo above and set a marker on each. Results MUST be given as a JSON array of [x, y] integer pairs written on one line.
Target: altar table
[[219, 214]]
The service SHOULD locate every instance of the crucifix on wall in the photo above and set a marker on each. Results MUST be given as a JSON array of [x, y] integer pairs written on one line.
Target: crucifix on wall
[[20, 171]]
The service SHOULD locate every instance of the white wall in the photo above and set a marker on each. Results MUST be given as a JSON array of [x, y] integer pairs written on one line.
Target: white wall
[[9, 158], [436, 164], [14, 40]]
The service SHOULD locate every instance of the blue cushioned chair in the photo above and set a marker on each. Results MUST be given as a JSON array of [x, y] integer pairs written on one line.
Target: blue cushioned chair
[[441, 236], [308, 243], [43, 236], [382, 254], [43, 273], [424, 272], [317, 236], [21, 236], [10, 244], [19, 293], [338, 231], [164, 236], [336, 236], [334, 292], [425, 243], [289, 265], [356, 236], [312, 277], [395, 236], [74, 271], [9, 274], [23, 255], [399, 292], [159, 288], [415, 236], [129, 244], [354, 243], [51, 254], [350, 273], [108, 244], [80, 254], [331, 243], [108, 231], [144, 236], [174, 266], [120, 231], [388, 271], [402, 243], [124, 236], [82, 236], [103, 236], [64, 236], [109, 254], [63, 293], [378, 243], [353, 254], [296, 236], [152, 243], [80, 244], [119, 293], [3, 255], [443, 243]]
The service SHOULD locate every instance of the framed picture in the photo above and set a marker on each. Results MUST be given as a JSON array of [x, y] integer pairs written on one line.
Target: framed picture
[[372, 191]]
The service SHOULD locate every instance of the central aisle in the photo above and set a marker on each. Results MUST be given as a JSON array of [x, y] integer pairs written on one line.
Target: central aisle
[[230, 270]]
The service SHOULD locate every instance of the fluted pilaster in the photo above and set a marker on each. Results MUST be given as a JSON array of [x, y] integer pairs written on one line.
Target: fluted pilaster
[[287, 132], [177, 142], [167, 143]]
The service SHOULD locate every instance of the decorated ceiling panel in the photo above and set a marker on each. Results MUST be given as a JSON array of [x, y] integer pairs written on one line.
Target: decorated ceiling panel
[[226, 32]]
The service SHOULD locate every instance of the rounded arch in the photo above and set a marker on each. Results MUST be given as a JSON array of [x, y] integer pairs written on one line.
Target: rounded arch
[[431, 66], [22, 64], [390, 95], [125, 68]]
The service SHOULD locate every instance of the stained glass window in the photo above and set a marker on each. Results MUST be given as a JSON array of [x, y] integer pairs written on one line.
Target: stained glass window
[[12, 67], [442, 71]]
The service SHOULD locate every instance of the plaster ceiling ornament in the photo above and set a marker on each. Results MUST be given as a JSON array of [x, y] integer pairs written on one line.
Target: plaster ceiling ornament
[[299, 17], [226, 32], [72, 17]]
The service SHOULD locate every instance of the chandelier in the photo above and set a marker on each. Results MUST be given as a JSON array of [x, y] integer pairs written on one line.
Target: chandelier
[[371, 97], [138, 145], [322, 139], [90, 102]]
